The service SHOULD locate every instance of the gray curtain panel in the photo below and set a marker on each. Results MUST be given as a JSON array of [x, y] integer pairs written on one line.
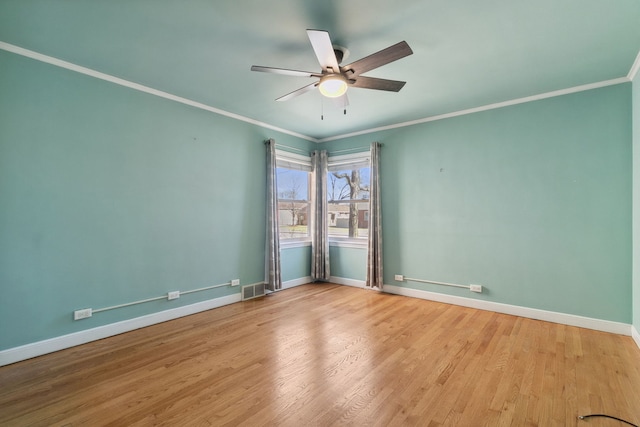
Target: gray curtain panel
[[272, 261], [320, 270], [375, 279]]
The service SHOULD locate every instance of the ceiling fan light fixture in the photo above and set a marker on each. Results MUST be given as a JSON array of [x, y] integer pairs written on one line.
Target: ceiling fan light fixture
[[333, 85]]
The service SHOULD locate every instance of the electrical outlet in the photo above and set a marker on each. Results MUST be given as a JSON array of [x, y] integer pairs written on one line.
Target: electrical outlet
[[235, 282], [82, 314], [475, 288], [173, 295], [398, 278]]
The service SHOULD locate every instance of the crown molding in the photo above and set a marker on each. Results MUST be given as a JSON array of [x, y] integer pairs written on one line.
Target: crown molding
[[633, 72], [132, 85], [526, 99]]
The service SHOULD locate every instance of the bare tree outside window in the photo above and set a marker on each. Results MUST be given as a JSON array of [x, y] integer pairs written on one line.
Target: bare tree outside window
[[292, 193], [293, 203], [348, 192], [337, 188]]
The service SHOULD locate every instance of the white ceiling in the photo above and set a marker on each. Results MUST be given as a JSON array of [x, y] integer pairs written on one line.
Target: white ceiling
[[467, 53]]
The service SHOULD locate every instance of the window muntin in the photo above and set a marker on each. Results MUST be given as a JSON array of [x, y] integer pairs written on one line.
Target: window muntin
[[348, 197]]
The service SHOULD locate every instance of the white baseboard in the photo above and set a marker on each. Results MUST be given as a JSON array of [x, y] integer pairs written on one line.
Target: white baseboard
[[296, 282], [531, 313], [347, 282], [40, 348], [635, 335]]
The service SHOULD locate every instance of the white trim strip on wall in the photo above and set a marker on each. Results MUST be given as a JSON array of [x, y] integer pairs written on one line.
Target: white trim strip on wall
[[633, 72], [40, 348], [347, 282], [97, 74], [51, 345], [531, 313], [296, 282], [635, 335], [146, 89], [526, 99]]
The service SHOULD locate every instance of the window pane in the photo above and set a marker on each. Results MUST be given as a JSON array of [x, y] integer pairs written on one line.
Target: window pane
[[293, 184], [348, 210], [293, 203], [348, 184], [294, 219], [349, 220]]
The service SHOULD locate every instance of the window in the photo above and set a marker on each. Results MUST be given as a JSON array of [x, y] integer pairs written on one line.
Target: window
[[294, 189], [348, 198]]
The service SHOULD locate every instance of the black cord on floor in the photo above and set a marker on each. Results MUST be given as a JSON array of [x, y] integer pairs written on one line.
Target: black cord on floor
[[582, 417]]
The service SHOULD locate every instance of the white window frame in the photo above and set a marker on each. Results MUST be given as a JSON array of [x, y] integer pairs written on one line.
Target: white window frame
[[288, 160], [343, 162]]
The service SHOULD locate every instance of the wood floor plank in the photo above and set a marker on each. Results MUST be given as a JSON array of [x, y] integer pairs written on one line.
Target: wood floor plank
[[331, 355]]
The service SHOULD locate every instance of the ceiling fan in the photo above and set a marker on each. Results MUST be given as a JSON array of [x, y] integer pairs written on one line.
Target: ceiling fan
[[334, 80]]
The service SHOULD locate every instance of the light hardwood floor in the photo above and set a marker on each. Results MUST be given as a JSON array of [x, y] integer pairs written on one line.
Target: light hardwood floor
[[329, 355]]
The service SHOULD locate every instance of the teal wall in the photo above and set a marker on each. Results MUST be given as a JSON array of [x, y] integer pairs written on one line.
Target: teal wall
[[348, 263], [636, 202], [532, 201], [295, 263], [110, 195]]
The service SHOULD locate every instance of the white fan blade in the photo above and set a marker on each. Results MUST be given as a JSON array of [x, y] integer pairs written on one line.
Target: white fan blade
[[284, 71], [321, 43], [298, 92]]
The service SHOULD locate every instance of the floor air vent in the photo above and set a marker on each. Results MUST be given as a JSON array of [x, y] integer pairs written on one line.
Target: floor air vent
[[252, 291]]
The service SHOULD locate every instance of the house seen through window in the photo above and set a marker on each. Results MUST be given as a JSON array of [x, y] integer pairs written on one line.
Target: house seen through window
[[348, 197], [294, 190]]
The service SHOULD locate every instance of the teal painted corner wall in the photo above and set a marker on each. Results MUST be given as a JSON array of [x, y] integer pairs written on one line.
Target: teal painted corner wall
[[348, 263], [533, 201], [110, 196], [295, 263], [636, 202]]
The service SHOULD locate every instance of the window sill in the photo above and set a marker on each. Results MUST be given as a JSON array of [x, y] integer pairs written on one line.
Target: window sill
[[357, 244], [286, 244]]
